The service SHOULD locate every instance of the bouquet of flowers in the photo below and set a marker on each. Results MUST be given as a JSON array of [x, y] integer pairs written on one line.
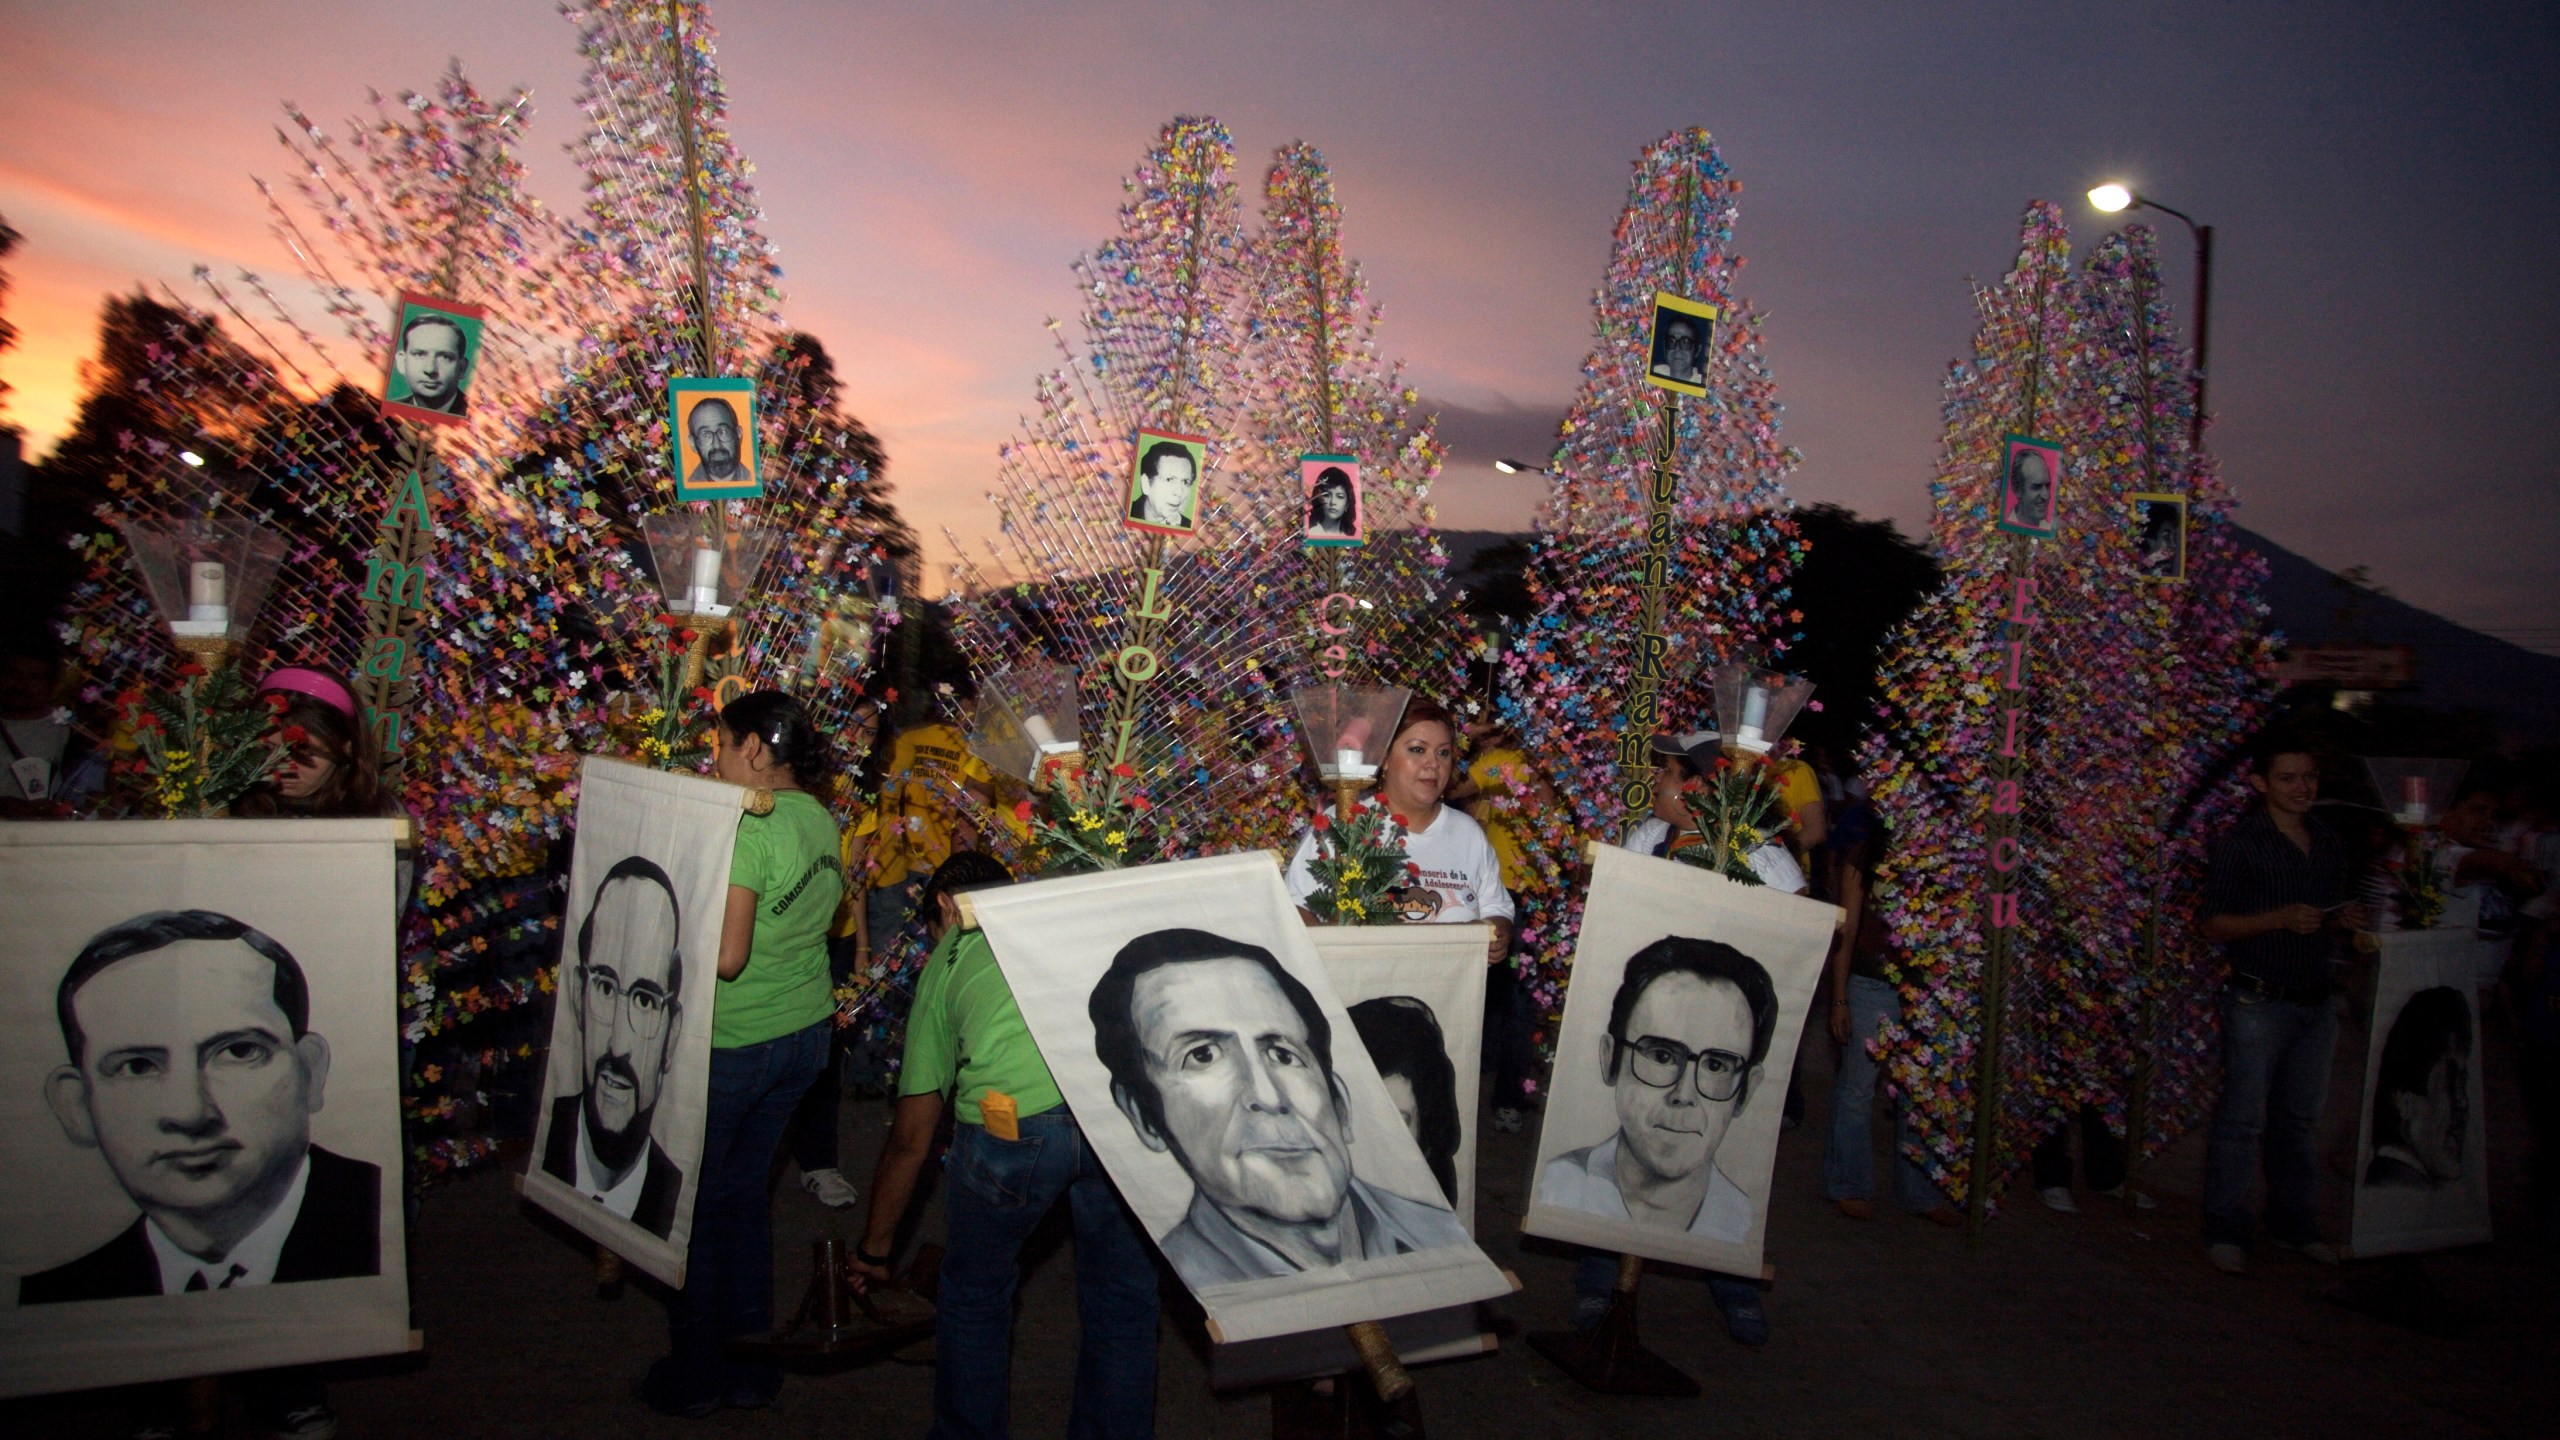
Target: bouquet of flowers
[[1737, 808], [202, 744], [1078, 826], [654, 728], [1359, 864]]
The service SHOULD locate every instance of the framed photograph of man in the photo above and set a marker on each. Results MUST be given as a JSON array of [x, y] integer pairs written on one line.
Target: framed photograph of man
[[1165, 475], [435, 349], [2030, 485], [714, 438], [1334, 509], [2422, 1167], [1679, 344], [199, 1099], [1689, 993], [2160, 536], [618, 1137], [1190, 1024]]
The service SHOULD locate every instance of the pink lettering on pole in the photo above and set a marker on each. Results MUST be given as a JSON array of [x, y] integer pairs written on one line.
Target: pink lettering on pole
[[2004, 854], [2004, 910]]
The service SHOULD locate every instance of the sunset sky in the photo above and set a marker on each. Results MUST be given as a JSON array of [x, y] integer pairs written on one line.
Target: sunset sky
[[2387, 359]]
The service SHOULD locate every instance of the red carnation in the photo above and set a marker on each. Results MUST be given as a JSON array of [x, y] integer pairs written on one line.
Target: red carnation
[[190, 670], [1022, 811], [1139, 804], [294, 735], [1124, 771], [1400, 822], [1323, 823]]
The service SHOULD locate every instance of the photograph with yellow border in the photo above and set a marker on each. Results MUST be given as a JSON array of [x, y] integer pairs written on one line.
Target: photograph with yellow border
[[1678, 345], [2160, 537]]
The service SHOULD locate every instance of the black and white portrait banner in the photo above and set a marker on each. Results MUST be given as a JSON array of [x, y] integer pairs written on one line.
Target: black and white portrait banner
[[619, 1133], [2422, 1164], [199, 1099], [1415, 994], [1190, 1025], [1689, 993]]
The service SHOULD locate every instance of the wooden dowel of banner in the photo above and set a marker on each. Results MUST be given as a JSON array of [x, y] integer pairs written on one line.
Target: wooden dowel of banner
[[969, 912], [1378, 1356]]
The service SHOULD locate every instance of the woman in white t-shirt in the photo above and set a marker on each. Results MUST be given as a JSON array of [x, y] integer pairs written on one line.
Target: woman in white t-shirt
[[1461, 879]]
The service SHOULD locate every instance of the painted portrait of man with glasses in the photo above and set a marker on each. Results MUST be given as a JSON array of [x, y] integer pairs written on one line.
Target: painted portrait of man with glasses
[[629, 970], [1689, 1030]]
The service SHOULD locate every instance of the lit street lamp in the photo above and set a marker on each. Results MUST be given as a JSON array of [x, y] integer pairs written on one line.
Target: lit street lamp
[[2111, 198]]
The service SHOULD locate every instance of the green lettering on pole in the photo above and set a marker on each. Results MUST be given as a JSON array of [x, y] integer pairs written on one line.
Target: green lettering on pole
[[1148, 609], [407, 587]]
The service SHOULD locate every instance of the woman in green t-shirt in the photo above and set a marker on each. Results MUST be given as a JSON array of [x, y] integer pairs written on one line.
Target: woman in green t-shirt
[[769, 1028]]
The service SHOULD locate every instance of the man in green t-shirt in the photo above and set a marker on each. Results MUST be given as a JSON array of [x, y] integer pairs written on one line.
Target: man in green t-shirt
[[1014, 1154]]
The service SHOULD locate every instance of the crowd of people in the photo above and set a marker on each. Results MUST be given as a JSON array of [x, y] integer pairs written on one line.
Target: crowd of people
[[2282, 899]]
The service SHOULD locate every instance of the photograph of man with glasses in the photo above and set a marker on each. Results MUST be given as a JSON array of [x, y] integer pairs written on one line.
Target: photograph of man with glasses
[[1688, 1031], [629, 971]]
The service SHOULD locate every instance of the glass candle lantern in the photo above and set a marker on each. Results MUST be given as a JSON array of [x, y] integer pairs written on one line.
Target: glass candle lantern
[[1754, 706], [1026, 723], [706, 569], [207, 576]]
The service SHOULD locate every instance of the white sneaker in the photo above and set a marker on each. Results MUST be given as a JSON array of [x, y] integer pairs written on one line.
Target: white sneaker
[[832, 1189], [2058, 1197]]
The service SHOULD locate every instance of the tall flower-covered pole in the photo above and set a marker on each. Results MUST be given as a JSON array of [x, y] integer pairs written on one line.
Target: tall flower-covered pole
[[1583, 670], [1962, 713], [1190, 711]]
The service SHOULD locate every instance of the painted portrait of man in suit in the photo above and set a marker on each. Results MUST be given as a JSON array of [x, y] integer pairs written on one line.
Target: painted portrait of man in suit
[[1221, 1058], [192, 1069], [630, 971]]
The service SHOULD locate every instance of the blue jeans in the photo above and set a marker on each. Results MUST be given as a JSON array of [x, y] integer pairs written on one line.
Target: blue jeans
[[1000, 1190], [2275, 1081], [1596, 1274], [728, 1278], [1848, 1169]]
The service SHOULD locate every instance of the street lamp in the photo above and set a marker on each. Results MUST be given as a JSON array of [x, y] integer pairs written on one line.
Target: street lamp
[[2112, 197]]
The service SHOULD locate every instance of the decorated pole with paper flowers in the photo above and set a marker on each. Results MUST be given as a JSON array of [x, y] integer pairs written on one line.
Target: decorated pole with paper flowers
[[1581, 668], [2174, 621], [1108, 525], [1949, 762]]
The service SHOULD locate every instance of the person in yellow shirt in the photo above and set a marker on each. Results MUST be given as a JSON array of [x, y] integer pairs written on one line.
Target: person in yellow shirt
[[927, 788], [1502, 769]]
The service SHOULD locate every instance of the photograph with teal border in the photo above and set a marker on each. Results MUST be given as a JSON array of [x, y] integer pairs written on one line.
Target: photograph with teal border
[[435, 351], [1337, 511], [2030, 498], [712, 438]]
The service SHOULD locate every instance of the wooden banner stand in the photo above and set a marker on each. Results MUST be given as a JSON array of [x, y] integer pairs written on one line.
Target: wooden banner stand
[[838, 1326], [1609, 1357], [1383, 1409]]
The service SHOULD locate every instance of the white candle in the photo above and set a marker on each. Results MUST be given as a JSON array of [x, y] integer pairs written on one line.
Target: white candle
[[1755, 710], [2413, 800], [208, 594], [1347, 761], [1045, 736], [706, 583]]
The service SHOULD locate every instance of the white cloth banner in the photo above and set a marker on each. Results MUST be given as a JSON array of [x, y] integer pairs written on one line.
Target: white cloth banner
[[2422, 1162], [1188, 1021], [199, 1099], [618, 1141], [1689, 993], [1416, 995]]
